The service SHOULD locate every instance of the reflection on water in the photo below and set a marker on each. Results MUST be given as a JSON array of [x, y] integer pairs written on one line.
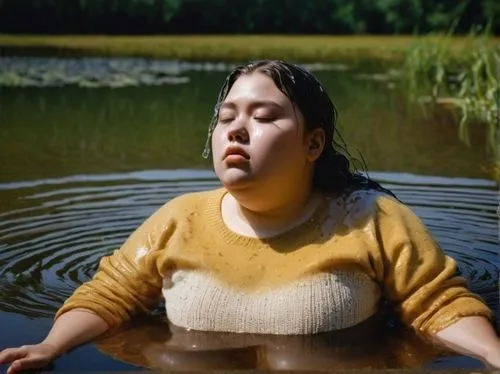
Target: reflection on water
[[53, 132], [372, 344], [53, 232]]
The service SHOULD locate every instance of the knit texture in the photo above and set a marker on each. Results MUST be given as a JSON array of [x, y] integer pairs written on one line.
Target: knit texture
[[326, 273], [317, 303]]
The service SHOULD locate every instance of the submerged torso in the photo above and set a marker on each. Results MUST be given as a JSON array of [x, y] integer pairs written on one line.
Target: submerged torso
[[285, 285]]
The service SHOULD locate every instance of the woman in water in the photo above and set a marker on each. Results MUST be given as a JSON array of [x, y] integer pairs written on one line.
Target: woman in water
[[293, 243]]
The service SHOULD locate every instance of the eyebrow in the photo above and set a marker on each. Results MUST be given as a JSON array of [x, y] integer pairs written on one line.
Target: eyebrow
[[253, 105]]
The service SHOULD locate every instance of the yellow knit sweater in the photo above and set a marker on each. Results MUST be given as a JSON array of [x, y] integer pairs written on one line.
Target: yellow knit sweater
[[327, 273]]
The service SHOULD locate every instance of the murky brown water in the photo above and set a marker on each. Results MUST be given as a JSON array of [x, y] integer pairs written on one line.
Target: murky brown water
[[80, 168]]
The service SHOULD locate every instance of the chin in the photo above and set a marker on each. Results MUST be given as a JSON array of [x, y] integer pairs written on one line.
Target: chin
[[234, 178]]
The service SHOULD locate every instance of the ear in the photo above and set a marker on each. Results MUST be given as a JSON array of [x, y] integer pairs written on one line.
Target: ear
[[316, 143]]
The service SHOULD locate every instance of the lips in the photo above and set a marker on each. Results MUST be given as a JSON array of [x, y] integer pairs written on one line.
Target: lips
[[236, 151]]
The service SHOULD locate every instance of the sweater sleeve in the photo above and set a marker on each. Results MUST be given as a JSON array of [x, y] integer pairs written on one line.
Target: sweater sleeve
[[416, 274], [129, 280]]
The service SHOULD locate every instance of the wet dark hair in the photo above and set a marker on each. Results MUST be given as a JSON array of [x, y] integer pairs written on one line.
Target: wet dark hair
[[332, 170]]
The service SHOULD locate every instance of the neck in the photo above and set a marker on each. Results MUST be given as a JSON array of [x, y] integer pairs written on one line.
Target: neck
[[266, 217]]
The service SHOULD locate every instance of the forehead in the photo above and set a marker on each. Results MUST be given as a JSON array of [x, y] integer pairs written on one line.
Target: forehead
[[256, 86]]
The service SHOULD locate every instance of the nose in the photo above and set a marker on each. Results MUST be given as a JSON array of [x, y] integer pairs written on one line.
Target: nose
[[238, 133]]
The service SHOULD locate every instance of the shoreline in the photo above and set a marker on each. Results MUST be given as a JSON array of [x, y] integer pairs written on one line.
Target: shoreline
[[230, 48]]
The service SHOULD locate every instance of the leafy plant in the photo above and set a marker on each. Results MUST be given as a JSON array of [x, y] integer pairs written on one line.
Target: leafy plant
[[465, 79]]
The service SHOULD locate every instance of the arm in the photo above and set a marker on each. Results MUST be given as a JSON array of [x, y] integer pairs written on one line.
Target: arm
[[472, 336], [421, 281], [127, 281], [75, 327], [70, 330]]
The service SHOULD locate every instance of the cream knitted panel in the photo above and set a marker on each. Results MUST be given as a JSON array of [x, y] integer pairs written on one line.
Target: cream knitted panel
[[318, 303]]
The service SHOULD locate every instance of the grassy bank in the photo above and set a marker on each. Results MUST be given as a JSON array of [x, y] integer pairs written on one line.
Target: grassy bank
[[218, 48]]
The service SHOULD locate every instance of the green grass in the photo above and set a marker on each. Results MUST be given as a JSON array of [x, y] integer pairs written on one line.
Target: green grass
[[218, 48]]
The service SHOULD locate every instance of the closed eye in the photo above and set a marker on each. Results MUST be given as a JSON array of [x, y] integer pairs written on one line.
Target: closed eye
[[265, 119], [226, 120]]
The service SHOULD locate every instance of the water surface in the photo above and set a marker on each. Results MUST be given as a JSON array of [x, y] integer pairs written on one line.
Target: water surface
[[81, 167]]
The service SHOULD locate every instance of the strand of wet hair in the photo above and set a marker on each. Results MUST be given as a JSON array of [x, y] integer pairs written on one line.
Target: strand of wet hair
[[213, 121]]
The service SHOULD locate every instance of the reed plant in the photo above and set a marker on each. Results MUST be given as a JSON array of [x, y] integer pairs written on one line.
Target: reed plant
[[466, 83]]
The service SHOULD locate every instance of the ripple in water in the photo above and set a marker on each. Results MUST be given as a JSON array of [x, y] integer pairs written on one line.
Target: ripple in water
[[53, 232]]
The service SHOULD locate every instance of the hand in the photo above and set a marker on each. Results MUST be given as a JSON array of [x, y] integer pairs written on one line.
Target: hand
[[28, 357]]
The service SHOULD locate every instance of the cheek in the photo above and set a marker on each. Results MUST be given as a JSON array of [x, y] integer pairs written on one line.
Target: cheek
[[217, 141], [276, 142], [257, 134], [216, 151]]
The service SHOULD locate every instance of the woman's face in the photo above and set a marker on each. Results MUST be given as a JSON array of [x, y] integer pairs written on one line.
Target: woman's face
[[259, 138]]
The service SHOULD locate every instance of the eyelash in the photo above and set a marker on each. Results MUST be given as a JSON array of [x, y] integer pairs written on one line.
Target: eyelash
[[225, 120], [265, 119], [259, 119]]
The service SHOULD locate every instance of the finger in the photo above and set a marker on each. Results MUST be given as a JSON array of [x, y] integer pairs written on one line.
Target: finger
[[15, 367], [12, 354], [26, 364]]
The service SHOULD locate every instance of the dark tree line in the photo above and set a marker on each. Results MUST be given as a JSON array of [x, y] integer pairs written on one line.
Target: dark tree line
[[245, 16]]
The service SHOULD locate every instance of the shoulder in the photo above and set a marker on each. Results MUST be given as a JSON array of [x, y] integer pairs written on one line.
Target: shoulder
[[356, 208], [390, 216], [373, 201], [388, 219], [362, 199], [362, 204], [177, 212], [185, 204], [194, 199]]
